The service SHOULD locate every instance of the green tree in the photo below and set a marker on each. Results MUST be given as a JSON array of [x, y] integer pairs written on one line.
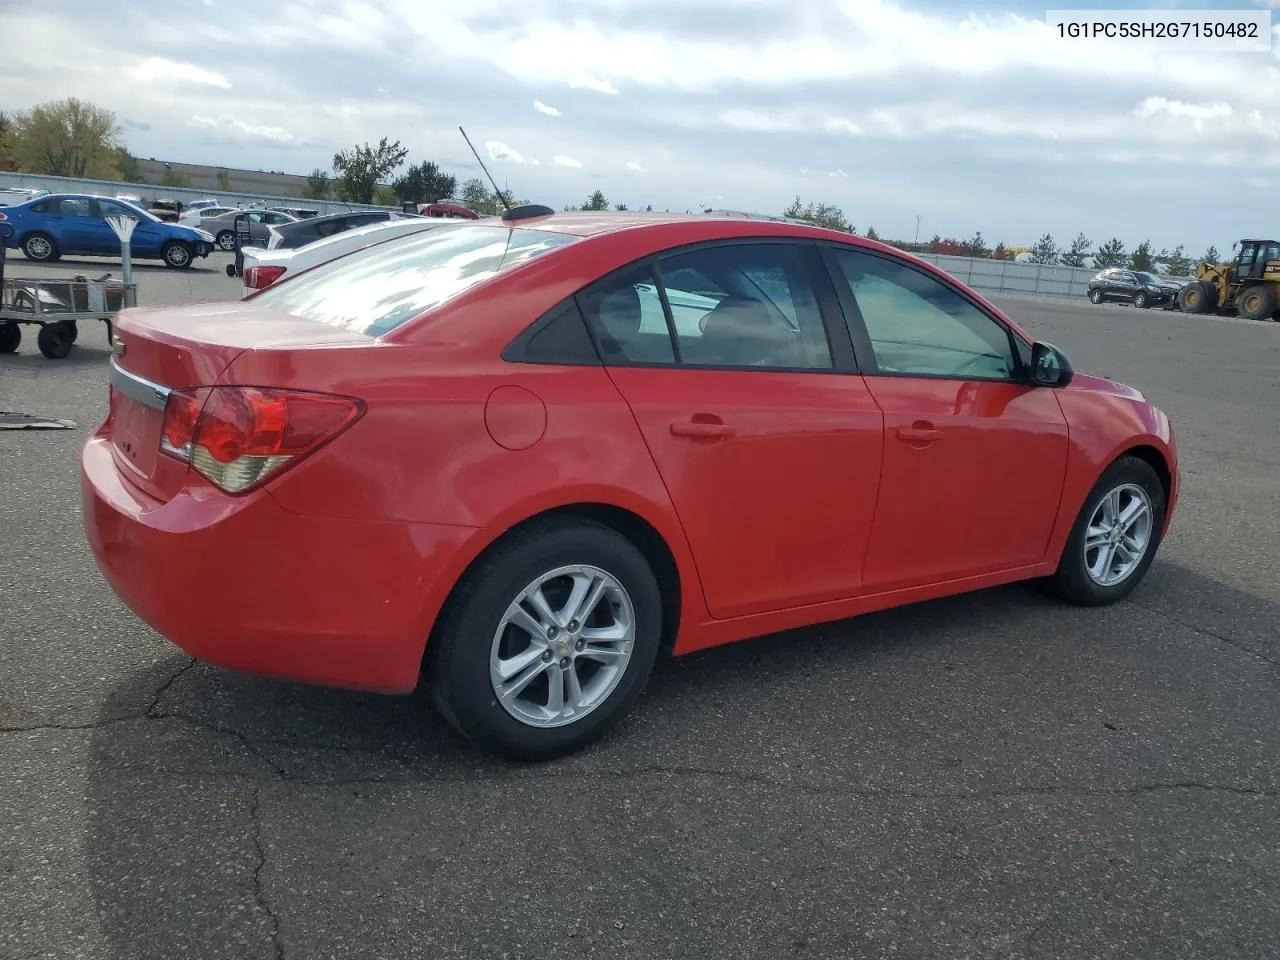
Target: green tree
[[1110, 254], [1044, 250], [976, 246], [871, 234], [384, 196], [66, 138], [425, 182], [1078, 252], [820, 214], [1141, 257], [620, 206], [1211, 255], [6, 131], [596, 201], [362, 168], [127, 166], [1001, 252], [1179, 262], [318, 186], [224, 181]]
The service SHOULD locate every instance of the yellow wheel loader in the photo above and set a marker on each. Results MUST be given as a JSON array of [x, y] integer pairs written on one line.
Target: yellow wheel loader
[[1248, 285]]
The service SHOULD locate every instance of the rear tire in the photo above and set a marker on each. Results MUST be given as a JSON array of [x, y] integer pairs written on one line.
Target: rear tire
[[1085, 576], [40, 247], [1257, 302], [482, 627], [10, 336], [55, 340], [1095, 296], [226, 240]]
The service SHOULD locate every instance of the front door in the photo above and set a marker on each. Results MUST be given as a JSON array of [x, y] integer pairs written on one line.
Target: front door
[[768, 444], [974, 458]]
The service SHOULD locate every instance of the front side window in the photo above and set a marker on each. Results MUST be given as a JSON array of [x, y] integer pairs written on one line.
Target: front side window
[[376, 289], [920, 326]]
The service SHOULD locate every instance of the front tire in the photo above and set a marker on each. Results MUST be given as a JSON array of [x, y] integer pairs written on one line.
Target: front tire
[[1140, 301], [1115, 537], [548, 641], [177, 255], [10, 336]]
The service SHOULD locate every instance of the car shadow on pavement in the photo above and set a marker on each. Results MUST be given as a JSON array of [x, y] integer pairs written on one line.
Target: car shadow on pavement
[[94, 267], [186, 759], [28, 362]]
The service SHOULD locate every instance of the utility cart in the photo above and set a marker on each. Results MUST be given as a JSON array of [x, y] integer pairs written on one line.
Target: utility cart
[[56, 306]]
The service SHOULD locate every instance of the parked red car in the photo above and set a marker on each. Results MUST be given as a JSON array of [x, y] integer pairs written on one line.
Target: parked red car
[[521, 457]]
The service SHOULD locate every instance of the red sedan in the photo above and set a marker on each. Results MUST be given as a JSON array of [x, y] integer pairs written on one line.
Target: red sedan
[[520, 458]]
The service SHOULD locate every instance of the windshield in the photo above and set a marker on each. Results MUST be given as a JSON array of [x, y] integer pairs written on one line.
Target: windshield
[[376, 289]]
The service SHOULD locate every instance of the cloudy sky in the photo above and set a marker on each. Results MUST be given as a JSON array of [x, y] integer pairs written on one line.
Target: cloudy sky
[[971, 115]]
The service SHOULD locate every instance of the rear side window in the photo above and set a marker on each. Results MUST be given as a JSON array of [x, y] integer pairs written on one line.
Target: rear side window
[[376, 289]]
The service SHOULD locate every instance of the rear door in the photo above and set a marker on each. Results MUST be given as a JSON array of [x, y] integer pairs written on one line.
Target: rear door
[[768, 441], [975, 456]]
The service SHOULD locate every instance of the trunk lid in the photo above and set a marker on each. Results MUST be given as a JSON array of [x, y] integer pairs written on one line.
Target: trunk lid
[[159, 349]]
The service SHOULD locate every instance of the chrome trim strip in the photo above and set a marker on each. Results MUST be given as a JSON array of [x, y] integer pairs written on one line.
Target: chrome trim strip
[[138, 388]]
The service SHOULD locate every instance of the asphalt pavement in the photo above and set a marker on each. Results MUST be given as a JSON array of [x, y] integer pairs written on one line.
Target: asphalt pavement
[[995, 775]]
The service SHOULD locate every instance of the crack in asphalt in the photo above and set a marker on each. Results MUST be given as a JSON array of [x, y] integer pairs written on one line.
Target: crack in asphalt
[[259, 892], [1205, 631], [148, 713]]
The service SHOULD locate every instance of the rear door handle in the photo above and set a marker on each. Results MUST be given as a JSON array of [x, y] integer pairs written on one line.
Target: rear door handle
[[919, 433], [701, 430]]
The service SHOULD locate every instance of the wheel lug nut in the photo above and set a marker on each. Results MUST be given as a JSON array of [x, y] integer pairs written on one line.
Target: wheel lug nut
[[546, 654], [551, 632], [564, 663], [580, 645], [573, 624]]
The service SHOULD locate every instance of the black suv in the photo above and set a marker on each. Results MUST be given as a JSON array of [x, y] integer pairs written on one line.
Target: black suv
[[1138, 287]]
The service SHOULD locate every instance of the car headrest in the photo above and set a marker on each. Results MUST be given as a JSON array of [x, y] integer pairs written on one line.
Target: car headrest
[[620, 312], [740, 330]]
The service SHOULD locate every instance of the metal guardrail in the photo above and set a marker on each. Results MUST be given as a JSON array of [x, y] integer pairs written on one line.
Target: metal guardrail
[[150, 191]]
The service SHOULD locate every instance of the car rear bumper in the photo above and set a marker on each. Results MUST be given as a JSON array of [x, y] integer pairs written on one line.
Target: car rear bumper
[[244, 584]]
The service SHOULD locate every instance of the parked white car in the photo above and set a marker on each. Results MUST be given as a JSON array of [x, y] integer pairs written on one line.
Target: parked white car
[[262, 267], [191, 217]]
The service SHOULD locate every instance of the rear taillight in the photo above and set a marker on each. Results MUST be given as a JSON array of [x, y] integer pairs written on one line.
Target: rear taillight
[[256, 278], [236, 437]]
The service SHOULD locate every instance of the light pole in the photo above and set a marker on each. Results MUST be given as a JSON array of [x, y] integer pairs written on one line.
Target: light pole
[[917, 228]]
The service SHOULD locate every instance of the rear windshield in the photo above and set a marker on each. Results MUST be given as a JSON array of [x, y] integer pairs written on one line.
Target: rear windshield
[[376, 289]]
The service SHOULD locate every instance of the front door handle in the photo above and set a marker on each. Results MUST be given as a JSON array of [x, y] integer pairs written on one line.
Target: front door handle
[[919, 433], [702, 430]]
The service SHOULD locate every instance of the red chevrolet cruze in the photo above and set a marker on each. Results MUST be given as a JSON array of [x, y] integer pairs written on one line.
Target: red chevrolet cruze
[[521, 457]]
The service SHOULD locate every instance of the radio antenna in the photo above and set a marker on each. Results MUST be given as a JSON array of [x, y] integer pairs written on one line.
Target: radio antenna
[[498, 193]]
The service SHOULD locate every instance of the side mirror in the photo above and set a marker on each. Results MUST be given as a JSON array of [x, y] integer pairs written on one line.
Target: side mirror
[[1050, 366]]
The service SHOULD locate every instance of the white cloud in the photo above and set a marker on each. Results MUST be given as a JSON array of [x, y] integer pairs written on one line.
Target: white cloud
[[837, 173], [840, 125], [632, 165], [231, 125], [160, 70], [500, 151], [563, 161], [586, 81], [545, 108]]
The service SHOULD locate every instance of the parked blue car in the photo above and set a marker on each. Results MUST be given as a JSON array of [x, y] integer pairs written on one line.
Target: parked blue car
[[58, 224]]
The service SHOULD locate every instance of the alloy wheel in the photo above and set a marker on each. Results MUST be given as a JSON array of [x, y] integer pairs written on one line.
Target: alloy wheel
[[562, 646], [1119, 535]]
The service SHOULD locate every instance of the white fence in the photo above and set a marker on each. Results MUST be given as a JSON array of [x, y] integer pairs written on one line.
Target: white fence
[[148, 192], [1009, 276]]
